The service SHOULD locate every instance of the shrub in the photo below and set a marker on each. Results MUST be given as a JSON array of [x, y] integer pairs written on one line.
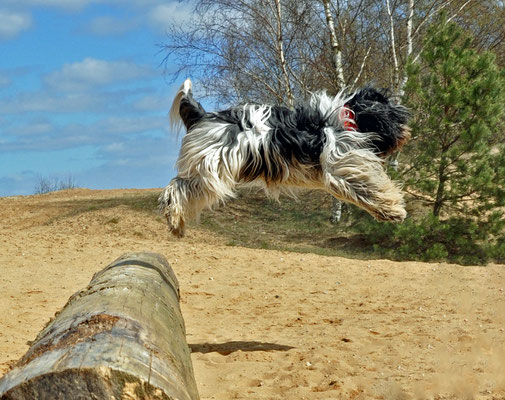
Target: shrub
[[46, 185], [457, 239]]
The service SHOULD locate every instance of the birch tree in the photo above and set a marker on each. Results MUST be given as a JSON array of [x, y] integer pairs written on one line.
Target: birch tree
[[246, 50], [336, 42], [401, 34], [280, 52], [336, 212], [407, 23]]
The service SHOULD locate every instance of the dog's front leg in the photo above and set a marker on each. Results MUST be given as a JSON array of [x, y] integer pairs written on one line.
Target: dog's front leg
[[360, 179]]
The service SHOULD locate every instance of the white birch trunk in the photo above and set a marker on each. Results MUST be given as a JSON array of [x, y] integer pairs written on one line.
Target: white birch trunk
[[392, 38], [335, 46], [410, 47], [282, 58], [336, 210]]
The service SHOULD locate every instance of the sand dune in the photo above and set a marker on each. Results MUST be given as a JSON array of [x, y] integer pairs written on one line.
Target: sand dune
[[266, 324]]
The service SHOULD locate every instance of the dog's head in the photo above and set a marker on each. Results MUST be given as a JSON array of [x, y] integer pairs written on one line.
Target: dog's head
[[376, 112]]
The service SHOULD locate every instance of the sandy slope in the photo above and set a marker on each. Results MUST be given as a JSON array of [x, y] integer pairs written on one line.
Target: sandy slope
[[267, 324]]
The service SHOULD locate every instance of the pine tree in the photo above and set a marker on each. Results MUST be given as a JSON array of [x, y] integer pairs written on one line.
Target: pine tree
[[457, 98]]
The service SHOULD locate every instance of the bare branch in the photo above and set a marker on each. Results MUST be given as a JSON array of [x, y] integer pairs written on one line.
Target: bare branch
[[458, 11], [362, 67]]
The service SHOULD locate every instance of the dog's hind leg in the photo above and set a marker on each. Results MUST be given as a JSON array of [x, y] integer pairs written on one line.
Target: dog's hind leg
[[184, 199], [171, 205], [361, 180]]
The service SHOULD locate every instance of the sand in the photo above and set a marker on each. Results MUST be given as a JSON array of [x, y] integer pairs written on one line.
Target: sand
[[266, 324]]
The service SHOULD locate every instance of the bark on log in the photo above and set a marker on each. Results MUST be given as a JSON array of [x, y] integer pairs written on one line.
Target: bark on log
[[123, 337]]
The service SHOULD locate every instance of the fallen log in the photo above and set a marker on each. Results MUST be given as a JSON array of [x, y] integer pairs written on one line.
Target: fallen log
[[123, 337]]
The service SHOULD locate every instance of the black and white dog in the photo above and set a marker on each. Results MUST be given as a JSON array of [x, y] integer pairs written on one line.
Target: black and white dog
[[336, 144]]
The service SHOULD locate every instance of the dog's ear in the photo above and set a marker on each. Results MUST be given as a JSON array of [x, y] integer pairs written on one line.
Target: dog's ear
[[376, 112], [373, 94], [366, 97]]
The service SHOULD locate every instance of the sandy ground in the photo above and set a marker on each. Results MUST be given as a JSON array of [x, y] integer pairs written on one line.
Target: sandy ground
[[266, 324]]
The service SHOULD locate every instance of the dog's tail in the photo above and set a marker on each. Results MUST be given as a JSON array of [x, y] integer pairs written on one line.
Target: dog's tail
[[185, 110]]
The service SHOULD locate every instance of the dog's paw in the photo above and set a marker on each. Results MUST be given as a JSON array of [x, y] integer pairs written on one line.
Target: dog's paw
[[175, 222], [176, 225], [397, 214], [178, 231]]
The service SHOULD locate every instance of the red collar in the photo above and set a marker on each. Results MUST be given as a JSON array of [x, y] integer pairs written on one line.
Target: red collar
[[348, 117]]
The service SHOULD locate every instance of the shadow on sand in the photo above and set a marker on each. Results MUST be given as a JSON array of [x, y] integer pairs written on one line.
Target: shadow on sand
[[230, 347]]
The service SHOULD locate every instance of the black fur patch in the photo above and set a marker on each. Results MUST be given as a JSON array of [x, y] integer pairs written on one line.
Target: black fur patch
[[375, 112], [296, 136], [190, 110]]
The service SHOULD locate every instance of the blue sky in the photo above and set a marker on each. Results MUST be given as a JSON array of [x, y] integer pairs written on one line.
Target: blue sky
[[83, 93]]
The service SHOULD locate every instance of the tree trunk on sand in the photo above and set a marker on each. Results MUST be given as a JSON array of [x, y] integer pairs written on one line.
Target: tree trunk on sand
[[123, 337]]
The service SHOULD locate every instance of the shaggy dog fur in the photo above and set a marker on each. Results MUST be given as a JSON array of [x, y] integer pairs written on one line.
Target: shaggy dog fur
[[336, 144]]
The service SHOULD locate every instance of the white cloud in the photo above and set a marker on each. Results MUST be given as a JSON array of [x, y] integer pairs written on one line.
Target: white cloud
[[92, 73], [105, 26], [17, 183], [163, 15], [44, 135], [11, 24], [132, 125], [115, 147], [115, 101], [60, 3], [44, 102], [152, 103], [35, 128], [4, 81], [73, 5], [67, 4], [157, 14]]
